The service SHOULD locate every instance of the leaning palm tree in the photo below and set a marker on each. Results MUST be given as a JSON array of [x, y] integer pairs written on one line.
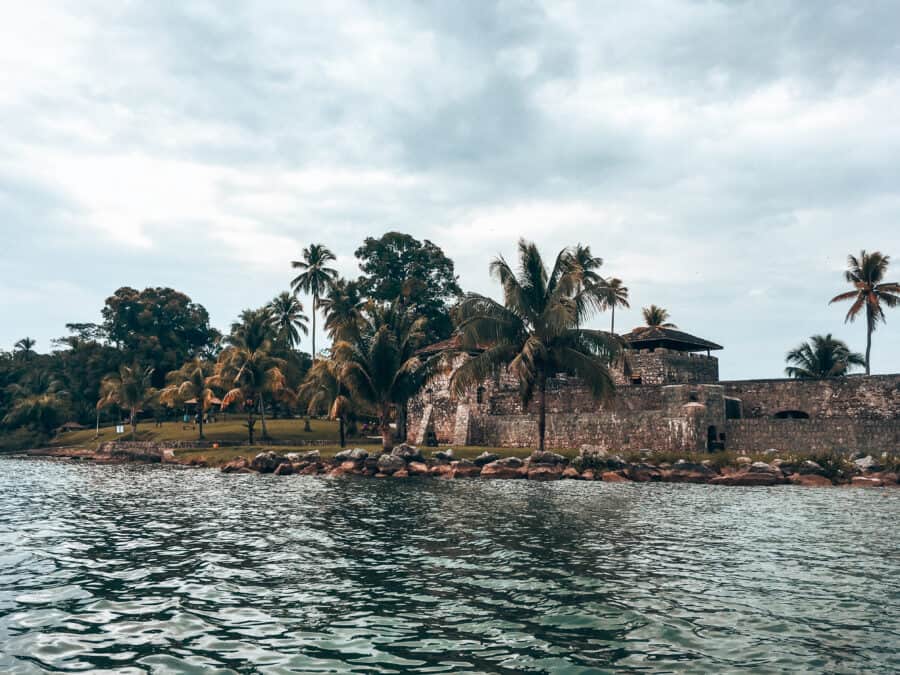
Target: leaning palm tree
[[614, 294], [822, 356], [323, 390], [288, 320], [657, 317], [537, 332], [191, 382], [314, 279], [870, 292], [379, 365], [130, 388]]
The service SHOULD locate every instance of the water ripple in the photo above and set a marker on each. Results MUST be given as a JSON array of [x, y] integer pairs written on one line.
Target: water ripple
[[132, 569]]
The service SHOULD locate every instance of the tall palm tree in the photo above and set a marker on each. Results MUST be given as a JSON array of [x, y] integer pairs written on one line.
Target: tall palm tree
[[190, 382], [323, 389], [130, 388], [870, 292], [39, 401], [379, 365], [614, 294], [25, 348], [822, 356], [342, 306], [657, 317], [536, 333], [314, 279], [288, 320]]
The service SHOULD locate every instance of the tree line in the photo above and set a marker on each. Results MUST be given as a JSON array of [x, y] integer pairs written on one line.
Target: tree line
[[155, 351]]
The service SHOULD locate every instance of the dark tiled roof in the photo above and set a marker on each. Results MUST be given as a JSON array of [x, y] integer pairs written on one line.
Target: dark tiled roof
[[646, 337]]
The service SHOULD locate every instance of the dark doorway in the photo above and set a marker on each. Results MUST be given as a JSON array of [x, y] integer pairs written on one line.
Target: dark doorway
[[713, 444], [791, 415]]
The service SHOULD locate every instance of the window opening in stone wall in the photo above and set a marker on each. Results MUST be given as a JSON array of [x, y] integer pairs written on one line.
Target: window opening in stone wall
[[791, 415], [712, 440], [479, 395], [636, 379], [732, 409]]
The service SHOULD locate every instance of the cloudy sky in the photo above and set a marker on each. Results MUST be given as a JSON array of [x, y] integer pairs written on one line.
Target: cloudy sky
[[723, 157]]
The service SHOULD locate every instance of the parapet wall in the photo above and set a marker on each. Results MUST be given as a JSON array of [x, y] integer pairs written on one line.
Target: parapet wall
[[813, 435], [875, 397], [666, 366]]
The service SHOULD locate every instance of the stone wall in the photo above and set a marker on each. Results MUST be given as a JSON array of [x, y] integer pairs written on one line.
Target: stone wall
[[665, 366], [813, 435], [875, 397]]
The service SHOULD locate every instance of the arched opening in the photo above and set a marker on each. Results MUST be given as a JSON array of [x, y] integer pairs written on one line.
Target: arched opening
[[791, 415]]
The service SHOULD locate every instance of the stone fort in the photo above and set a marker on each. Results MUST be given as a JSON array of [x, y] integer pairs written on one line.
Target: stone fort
[[669, 397]]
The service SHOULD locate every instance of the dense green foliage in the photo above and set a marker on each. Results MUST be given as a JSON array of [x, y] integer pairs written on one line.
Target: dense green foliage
[[822, 356]]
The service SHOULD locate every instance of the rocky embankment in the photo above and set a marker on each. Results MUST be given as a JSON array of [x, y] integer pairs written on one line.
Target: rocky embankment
[[591, 464]]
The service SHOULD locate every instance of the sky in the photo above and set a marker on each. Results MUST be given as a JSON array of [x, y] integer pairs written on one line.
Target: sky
[[722, 157]]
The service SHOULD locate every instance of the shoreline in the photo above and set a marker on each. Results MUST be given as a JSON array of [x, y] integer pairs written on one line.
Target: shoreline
[[406, 461]]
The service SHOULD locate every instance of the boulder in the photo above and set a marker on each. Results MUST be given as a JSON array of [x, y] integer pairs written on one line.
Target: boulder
[[866, 481], [237, 465], [407, 453], [310, 470], [614, 463], [444, 455], [809, 467], [545, 472], [370, 465], [595, 451], [546, 457], [643, 473], [588, 474], [417, 468], [465, 468], [486, 458], [762, 467], [389, 464], [613, 477], [867, 464], [509, 467], [267, 462], [571, 473], [742, 460], [402, 473], [352, 455], [309, 456], [441, 471], [284, 469], [748, 478], [887, 477], [810, 480], [689, 472]]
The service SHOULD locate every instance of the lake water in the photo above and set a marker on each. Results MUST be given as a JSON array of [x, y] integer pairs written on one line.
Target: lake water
[[163, 569]]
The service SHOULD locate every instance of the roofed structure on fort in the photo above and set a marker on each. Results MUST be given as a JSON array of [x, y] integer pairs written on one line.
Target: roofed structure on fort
[[654, 337]]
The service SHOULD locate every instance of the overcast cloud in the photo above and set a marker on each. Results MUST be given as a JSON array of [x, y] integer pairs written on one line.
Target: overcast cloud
[[723, 157]]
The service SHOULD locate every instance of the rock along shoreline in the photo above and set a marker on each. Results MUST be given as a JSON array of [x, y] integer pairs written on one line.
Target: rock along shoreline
[[591, 464]]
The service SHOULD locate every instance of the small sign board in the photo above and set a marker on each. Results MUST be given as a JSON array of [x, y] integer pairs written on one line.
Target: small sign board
[[120, 428]]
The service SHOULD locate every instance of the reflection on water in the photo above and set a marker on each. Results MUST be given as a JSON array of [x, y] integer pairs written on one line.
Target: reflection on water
[[161, 569]]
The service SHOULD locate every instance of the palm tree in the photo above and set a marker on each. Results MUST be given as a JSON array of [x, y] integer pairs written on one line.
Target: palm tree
[[323, 389], [870, 291], [614, 294], [288, 320], [39, 401], [657, 317], [342, 306], [536, 333], [822, 356], [247, 370], [378, 363], [190, 382], [25, 348], [314, 279], [130, 388]]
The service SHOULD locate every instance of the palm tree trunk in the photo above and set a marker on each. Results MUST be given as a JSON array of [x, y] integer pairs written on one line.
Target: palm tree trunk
[[133, 422], [341, 429], [201, 419], [315, 304], [250, 424], [612, 321], [387, 436], [542, 414], [869, 324], [262, 416], [98, 423]]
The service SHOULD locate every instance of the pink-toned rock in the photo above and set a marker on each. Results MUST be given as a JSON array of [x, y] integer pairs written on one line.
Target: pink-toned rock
[[402, 473], [381, 475], [284, 469], [613, 477], [746, 478], [588, 474], [571, 473], [349, 466], [313, 469], [810, 480], [545, 472], [238, 465], [417, 469], [465, 469], [505, 468], [336, 472], [643, 473], [442, 471], [866, 481], [889, 478]]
